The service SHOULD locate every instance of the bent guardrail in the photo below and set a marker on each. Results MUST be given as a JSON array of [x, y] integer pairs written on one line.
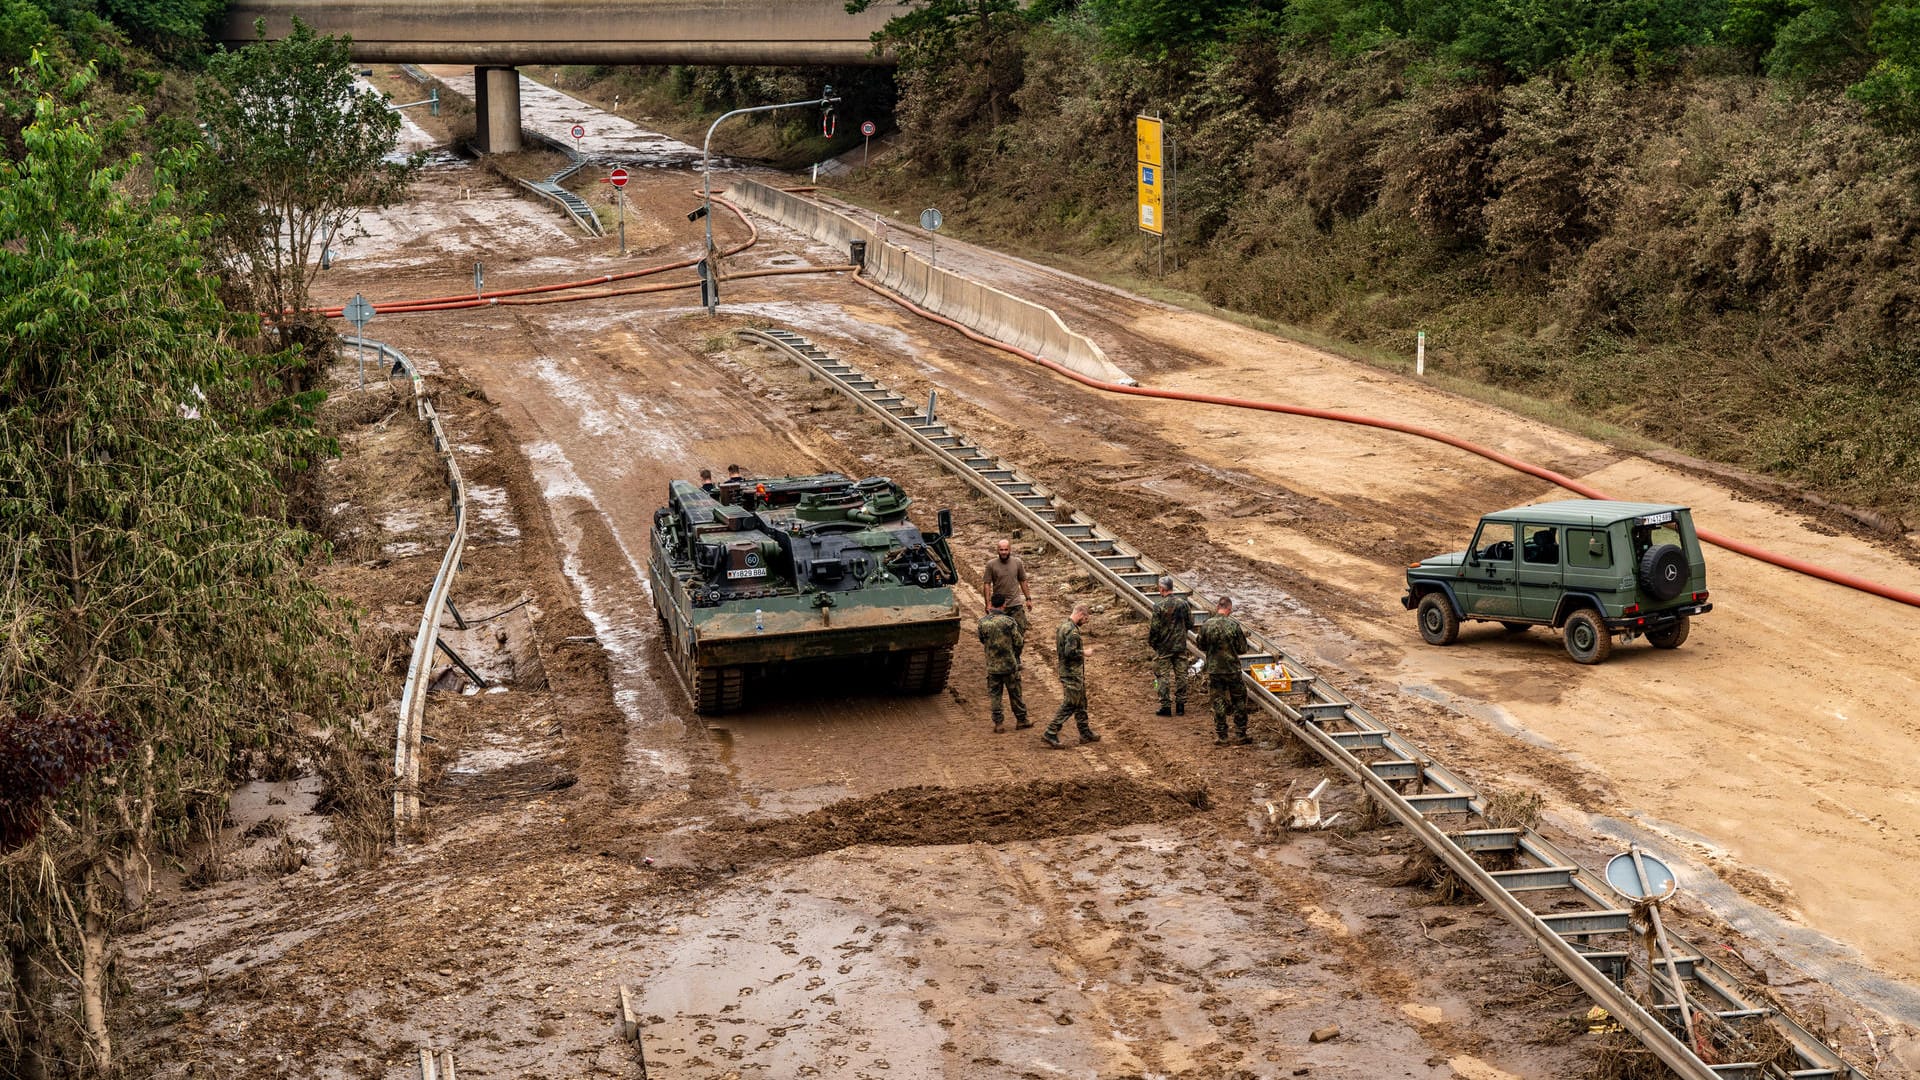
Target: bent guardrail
[[413, 698], [550, 188]]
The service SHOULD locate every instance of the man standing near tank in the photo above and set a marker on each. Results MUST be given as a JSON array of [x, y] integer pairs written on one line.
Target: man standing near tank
[[1001, 638], [1006, 576], [1223, 641], [1070, 655], [1167, 635]]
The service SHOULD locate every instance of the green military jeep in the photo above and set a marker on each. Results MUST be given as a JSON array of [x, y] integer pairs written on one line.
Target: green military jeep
[[1592, 568]]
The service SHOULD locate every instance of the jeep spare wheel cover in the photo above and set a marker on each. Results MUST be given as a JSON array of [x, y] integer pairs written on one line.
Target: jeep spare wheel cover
[[1663, 571]]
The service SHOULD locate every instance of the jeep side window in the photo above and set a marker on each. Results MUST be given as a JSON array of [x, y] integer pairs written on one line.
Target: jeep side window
[[1588, 548], [1495, 542], [1540, 544]]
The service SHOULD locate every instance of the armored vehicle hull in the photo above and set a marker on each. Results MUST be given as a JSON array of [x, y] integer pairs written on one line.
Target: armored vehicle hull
[[774, 581]]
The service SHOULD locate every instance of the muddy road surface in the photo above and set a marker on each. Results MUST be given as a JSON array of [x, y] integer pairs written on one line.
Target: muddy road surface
[[843, 883]]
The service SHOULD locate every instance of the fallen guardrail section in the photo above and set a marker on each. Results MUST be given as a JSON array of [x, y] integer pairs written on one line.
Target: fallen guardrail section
[[550, 188], [436, 1065], [1597, 946], [413, 699]]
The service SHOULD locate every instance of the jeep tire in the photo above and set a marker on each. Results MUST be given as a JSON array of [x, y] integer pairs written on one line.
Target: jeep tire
[[1438, 624], [1664, 572], [1588, 640], [1670, 637]]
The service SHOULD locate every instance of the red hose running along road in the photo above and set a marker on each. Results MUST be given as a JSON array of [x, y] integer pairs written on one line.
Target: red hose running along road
[[503, 296], [499, 296], [1838, 577]]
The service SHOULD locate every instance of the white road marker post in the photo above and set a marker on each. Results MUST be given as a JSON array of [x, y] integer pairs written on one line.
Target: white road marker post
[[1420, 354]]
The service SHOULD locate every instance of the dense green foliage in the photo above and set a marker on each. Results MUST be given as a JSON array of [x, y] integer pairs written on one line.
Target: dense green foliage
[[151, 578], [1682, 218], [99, 30], [158, 633]]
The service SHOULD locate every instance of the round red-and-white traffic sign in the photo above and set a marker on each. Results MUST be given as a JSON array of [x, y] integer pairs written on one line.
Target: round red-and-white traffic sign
[[579, 132], [867, 128], [618, 178]]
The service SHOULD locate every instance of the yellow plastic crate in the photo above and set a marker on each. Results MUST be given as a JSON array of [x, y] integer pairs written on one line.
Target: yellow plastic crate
[[1274, 677]]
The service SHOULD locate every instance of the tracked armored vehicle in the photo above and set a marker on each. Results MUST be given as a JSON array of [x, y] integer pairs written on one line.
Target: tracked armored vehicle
[[801, 577]]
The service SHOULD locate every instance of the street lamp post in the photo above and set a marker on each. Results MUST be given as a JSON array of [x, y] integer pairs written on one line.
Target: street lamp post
[[706, 174]]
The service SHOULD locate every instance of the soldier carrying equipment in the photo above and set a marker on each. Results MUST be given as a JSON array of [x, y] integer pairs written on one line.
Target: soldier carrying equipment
[[1224, 641]]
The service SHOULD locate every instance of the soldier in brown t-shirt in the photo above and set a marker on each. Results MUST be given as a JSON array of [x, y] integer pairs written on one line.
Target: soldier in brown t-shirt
[[1007, 576]]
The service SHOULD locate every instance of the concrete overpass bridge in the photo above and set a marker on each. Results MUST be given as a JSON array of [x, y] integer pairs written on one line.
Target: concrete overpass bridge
[[496, 35]]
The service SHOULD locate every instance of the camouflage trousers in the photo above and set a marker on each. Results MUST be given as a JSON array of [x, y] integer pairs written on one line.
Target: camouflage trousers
[[1228, 692], [1073, 706], [1010, 682], [1170, 679]]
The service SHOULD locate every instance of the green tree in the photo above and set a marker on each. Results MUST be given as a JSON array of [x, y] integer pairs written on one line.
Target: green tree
[[969, 48], [1890, 92], [1814, 41], [1163, 27], [149, 577], [299, 150]]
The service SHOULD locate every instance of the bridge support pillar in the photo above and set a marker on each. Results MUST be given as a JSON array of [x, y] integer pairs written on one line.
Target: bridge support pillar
[[496, 100]]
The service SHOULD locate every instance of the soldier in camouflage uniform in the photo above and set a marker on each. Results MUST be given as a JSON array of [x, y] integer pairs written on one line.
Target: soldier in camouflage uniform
[[1003, 641], [1073, 679], [1167, 635], [1223, 641]]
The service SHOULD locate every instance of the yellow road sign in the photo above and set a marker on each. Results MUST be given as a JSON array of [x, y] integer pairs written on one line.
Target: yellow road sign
[[1152, 219], [1146, 137], [1149, 175]]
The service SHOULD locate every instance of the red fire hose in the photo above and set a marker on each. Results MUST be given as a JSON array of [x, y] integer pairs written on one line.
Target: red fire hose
[[1838, 577], [507, 297], [500, 296]]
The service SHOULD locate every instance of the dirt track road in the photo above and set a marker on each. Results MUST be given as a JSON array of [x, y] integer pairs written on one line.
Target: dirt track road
[[854, 885]]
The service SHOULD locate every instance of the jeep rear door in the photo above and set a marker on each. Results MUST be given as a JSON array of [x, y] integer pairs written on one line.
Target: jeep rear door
[[1538, 571], [1486, 579]]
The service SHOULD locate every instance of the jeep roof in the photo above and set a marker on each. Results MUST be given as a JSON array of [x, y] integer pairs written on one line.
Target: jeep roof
[[1580, 512]]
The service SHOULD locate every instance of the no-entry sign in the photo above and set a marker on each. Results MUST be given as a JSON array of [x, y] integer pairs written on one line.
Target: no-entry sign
[[618, 178]]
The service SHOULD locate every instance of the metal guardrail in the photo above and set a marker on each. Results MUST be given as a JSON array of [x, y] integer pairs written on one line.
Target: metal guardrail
[[1594, 946], [437, 1065], [550, 188], [413, 698]]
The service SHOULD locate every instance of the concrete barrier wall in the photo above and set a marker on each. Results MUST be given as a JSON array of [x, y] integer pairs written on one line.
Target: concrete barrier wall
[[978, 307]]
